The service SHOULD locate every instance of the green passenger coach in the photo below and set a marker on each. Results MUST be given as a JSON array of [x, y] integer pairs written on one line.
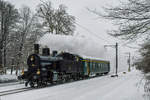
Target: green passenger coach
[[95, 67]]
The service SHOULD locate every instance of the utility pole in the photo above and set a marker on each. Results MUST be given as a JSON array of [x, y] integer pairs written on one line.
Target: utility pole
[[117, 59], [116, 47], [129, 61]]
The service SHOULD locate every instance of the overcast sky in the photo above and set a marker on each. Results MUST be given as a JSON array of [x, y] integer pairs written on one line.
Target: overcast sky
[[78, 8]]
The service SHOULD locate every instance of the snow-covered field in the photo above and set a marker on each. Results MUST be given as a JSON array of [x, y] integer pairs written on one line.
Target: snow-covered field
[[124, 87]]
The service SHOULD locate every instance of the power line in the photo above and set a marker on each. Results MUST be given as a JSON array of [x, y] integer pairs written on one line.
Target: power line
[[89, 31], [129, 46]]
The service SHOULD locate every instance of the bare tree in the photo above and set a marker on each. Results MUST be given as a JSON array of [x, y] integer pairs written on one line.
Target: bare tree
[[8, 19], [64, 22], [28, 27], [132, 18], [56, 21]]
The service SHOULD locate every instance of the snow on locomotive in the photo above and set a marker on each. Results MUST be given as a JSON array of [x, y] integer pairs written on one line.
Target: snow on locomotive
[[62, 67]]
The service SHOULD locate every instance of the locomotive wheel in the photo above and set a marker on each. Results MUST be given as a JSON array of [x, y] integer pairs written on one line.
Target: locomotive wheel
[[44, 84], [31, 84], [62, 81], [41, 84], [26, 84], [34, 84]]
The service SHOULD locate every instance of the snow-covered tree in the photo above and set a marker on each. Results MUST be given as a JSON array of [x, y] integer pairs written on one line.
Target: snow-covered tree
[[28, 31], [8, 19], [132, 17], [144, 62], [55, 21]]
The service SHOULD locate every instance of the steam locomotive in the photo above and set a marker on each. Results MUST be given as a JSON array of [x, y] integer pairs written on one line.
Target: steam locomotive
[[60, 67]]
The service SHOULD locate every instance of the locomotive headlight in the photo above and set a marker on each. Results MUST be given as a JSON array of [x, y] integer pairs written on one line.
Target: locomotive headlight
[[22, 72], [32, 58], [33, 65], [38, 72]]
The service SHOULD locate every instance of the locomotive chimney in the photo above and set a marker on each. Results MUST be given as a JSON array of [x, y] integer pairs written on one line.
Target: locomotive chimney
[[36, 48], [45, 52], [54, 53]]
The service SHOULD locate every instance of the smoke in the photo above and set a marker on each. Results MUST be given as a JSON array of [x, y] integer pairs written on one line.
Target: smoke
[[84, 46]]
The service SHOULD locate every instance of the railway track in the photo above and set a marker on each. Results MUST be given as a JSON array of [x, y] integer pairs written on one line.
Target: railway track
[[9, 84], [19, 90], [13, 91]]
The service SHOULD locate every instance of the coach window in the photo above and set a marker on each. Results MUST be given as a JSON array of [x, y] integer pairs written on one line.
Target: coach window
[[105, 65], [99, 66], [86, 64], [91, 65], [96, 66]]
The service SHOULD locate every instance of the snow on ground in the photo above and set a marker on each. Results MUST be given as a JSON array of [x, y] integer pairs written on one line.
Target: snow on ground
[[11, 87], [8, 78], [124, 87]]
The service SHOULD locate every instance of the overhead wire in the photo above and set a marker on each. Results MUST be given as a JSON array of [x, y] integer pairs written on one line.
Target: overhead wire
[[89, 31], [97, 36]]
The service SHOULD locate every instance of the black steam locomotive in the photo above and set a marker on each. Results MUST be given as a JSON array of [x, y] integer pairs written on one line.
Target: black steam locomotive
[[60, 67]]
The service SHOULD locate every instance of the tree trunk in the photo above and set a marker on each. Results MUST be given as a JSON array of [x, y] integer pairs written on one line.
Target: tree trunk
[[17, 70], [5, 68], [1, 41], [1, 67], [11, 70]]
